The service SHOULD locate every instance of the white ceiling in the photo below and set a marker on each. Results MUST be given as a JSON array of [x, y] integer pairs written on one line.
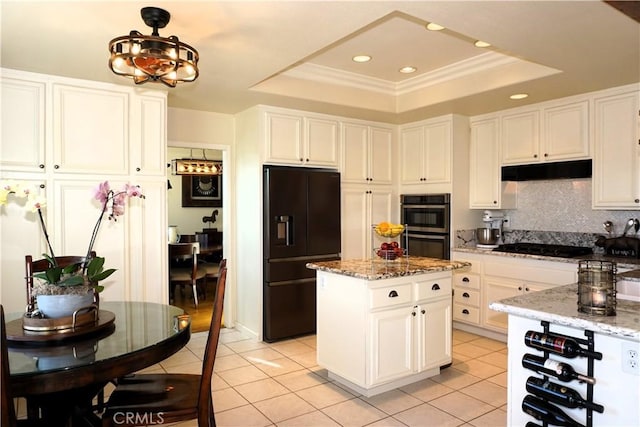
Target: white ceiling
[[297, 54]]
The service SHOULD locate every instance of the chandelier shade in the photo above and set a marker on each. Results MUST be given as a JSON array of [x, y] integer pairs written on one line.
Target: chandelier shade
[[153, 58]]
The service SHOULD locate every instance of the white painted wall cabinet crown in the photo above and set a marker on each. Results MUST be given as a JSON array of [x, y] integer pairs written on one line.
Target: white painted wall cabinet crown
[[66, 136]]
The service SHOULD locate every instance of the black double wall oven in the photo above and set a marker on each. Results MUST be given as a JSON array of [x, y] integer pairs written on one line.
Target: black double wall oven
[[427, 217]]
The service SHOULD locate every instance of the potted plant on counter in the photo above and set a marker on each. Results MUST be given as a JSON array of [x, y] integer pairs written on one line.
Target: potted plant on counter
[[60, 291]]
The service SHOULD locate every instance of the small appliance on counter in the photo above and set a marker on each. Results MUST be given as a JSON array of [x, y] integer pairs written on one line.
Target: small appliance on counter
[[488, 237]]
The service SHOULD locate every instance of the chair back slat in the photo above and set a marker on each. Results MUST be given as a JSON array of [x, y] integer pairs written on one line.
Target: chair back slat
[[8, 415], [204, 397]]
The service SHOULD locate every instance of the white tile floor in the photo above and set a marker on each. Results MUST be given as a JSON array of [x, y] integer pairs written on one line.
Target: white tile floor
[[279, 384], [260, 384]]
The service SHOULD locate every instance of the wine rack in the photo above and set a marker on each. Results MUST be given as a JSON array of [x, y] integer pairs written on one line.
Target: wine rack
[[531, 400]]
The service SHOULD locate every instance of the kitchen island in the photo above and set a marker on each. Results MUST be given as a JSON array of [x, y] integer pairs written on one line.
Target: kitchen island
[[617, 375], [384, 324]]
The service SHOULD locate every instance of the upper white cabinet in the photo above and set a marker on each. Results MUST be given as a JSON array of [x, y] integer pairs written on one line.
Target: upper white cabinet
[[565, 131], [616, 167], [425, 153], [552, 133], [90, 130], [486, 190], [23, 125], [301, 141], [520, 137], [366, 154], [149, 156]]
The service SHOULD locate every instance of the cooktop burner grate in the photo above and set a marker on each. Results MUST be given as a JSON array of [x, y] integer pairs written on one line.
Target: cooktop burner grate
[[561, 251]]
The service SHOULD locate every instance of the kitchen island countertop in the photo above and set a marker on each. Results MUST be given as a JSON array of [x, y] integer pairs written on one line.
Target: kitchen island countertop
[[378, 269], [560, 306]]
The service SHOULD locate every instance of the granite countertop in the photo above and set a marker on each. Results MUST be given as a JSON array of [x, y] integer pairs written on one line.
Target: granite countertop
[[622, 262], [378, 269], [560, 306]]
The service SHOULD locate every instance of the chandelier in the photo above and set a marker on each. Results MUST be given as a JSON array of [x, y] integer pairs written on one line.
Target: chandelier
[[193, 166], [155, 58]]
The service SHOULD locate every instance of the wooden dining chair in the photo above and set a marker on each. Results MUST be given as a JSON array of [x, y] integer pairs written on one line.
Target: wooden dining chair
[[167, 398], [41, 265], [190, 272]]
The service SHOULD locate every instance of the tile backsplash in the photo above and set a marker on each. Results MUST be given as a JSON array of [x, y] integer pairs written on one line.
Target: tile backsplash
[[556, 212]]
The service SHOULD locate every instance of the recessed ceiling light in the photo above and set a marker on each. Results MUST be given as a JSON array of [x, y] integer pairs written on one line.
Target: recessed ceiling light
[[480, 43], [519, 96], [432, 26], [361, 58], [408, 70]]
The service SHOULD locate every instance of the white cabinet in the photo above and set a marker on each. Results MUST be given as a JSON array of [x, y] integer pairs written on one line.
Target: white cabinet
[[553, 133], [616, 167], [22, 141], [366, 154], [486, 190], [565, 132], [294, 139], [361, 207], [466, 297], [74, 135], [397, 330], [90, 130], [425, 153]]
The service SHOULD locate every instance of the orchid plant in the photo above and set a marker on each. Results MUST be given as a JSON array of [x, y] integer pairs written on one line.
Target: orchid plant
[[91, 271]]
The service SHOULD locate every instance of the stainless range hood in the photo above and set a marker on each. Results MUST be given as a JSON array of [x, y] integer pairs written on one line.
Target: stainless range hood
[[544, 171]]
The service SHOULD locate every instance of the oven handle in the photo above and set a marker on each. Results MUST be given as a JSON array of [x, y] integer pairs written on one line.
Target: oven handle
[[427, 236], [405, 206]]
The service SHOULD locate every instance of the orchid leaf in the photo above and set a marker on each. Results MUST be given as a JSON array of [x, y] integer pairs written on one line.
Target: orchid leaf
[[102, 275], [95, 266], [72, 281]]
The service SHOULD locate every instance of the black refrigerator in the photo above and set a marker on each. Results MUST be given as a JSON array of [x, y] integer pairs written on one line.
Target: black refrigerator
[[301, 225]]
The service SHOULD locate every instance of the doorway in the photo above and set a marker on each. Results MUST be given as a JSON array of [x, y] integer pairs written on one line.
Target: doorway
[[202, 211]]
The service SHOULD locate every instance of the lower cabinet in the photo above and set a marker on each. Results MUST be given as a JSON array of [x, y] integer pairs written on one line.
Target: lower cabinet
[[376, 335]]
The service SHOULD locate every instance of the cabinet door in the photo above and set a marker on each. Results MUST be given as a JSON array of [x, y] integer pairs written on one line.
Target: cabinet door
[[484, 169], [380, 155], [321, 142], [520, 139], [22, 137], [21, 235], [148, 149], [496, 289], [354, 219], [411, 155], [283, 139], [391, 344], [437, 153], [355, 154], [566, 132], [616, 171], [90, 130], [434, 334]]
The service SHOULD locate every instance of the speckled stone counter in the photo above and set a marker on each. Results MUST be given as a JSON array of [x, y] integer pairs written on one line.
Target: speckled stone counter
[[560, 306], [633, 263], [378, 269]]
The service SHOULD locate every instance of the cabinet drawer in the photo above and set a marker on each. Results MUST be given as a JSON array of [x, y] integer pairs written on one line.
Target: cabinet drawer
[[467, 280], [390, 296], [466, 296], [434, 288], [466, 313]]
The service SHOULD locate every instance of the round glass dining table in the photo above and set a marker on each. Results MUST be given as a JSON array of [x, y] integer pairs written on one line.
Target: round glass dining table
[[60, 377]]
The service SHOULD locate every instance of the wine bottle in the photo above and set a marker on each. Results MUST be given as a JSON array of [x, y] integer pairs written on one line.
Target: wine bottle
[[560, 394], [547, 413], [559, 344], [559, 370]]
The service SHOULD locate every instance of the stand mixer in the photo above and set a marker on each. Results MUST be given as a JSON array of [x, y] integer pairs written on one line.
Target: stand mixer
[[489, 236]]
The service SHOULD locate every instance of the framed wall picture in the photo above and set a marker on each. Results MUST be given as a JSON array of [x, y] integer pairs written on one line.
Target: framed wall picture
[[201, 191]]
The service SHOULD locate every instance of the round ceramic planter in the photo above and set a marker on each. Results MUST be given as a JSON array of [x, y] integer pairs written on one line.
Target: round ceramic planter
[[56, 306]]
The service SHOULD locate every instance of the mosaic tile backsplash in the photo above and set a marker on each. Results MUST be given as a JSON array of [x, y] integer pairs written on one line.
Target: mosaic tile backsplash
[[556, 212]]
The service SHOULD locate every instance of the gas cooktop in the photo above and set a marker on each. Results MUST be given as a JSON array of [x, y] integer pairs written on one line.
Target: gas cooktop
[[560, 251]]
